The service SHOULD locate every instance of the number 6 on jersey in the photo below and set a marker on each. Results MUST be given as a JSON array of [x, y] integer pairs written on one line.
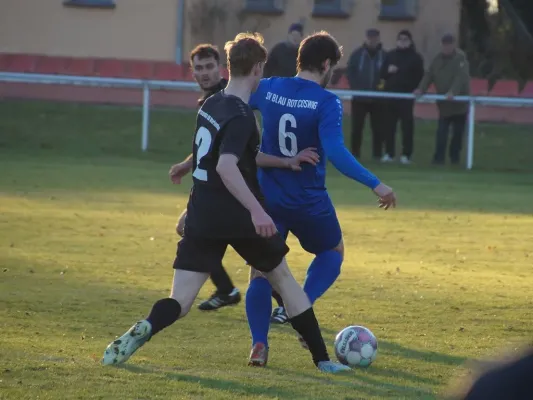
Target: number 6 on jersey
[[203, 144], [284, 134]]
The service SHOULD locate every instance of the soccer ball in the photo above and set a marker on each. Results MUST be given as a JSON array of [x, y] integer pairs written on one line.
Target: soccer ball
[[356, 346]]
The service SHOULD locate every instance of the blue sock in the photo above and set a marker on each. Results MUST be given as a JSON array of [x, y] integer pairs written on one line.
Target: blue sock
[[321, 274], [258, 309]]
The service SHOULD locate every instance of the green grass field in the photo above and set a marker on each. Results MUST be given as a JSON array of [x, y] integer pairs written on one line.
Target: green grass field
[[87, 240]]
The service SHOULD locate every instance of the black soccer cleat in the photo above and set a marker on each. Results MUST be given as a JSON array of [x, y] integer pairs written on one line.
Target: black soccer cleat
[[279, 316], [217, 301]]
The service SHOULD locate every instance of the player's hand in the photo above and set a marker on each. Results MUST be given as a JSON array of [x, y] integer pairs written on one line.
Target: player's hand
[[180, 230], [308, 155], [264, 226], [180, 226], [387, 197], [178, 171], [392, 69]]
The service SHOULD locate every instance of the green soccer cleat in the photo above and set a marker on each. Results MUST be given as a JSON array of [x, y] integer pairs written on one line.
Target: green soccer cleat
[[118, 351], [331, 367]]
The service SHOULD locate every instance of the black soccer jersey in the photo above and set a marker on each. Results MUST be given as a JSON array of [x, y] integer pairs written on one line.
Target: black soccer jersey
[[211, 91], [224, 125]]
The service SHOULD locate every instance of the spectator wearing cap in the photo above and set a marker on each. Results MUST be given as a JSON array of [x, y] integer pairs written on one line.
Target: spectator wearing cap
[[363, 72], [281, 60], [402, 71], [449, 72]]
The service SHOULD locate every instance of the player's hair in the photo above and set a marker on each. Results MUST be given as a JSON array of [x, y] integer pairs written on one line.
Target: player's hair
[[243, 52], [205, 50], [315, 49]]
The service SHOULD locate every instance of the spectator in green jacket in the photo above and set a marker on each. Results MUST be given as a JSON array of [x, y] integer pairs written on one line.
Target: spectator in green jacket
[[449, 72]]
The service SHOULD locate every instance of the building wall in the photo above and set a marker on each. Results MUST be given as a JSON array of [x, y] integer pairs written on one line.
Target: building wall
[[136, 29], [435, 18]]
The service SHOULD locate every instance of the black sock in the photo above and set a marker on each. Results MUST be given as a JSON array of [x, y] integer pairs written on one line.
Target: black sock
[[278, 298], [307, 326], [222, 281], [164, 313]]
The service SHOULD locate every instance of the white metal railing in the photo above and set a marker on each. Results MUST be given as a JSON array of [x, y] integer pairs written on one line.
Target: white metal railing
[[147, 85]]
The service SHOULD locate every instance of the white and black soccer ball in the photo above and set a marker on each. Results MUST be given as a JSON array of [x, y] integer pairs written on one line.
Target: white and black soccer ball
[[356, 346]]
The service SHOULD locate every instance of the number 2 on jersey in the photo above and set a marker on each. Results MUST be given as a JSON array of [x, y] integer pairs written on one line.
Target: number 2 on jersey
[[284, 134], [203, 143]]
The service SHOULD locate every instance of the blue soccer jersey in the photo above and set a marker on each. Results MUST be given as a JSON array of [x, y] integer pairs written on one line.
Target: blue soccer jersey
[[298, 113]]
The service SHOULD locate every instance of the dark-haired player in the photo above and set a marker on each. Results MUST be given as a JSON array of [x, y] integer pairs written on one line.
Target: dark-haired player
[[205, 64], [225, 148], [298, 113]]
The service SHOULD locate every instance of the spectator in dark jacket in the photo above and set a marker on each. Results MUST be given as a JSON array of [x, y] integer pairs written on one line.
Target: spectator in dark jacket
[[282, 58], [363, 73], [402, 72]]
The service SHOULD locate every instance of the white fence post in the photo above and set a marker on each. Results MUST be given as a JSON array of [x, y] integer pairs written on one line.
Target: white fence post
[[146, 116], [471, 130]]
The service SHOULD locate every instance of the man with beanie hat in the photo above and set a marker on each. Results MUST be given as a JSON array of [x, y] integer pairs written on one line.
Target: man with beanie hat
[[401, 73], [282, 58], [363, 73]]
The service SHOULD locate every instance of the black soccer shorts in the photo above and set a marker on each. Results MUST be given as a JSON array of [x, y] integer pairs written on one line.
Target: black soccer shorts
[[201, 254]]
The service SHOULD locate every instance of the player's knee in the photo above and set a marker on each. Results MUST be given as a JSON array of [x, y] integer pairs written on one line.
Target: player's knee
[[340, 249], [278, 274], [329, 263], [185, 303], [259, 286], [255, 274], [185, 295], [180, 226]]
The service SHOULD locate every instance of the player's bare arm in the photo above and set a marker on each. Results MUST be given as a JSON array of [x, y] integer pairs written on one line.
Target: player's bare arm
[[263, 160], [234, 182], [180, 226], [308, 155], [179, 170]]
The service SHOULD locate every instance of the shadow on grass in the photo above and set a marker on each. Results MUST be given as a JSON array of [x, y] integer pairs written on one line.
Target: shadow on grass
[[364, 379], [97, 129], [428, 356], [391, 348], [85, 298], [270, 388], [54, 132], [420, 190]]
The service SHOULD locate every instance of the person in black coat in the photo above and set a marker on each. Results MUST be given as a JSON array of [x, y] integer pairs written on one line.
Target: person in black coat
[[281, 60], [402, 71], [363, 73]]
